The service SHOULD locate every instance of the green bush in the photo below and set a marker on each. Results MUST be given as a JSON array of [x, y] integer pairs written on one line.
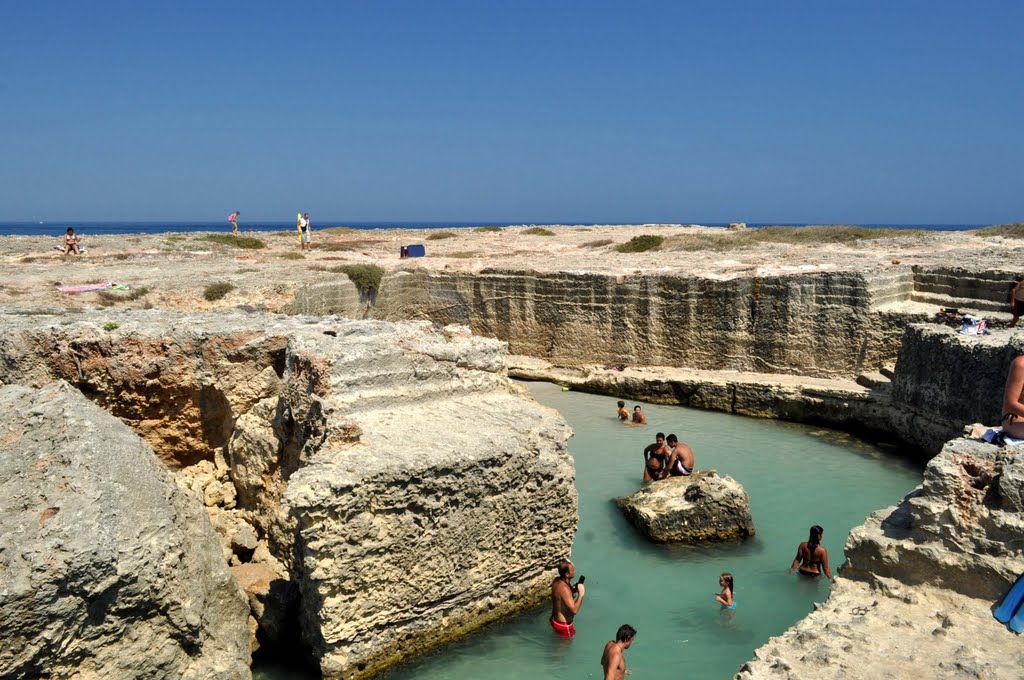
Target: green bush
[[538, 231], [111, 326], [291, 255], [639, 244], [366, 277], [215, 291], [438, 235], [483, 229], [597, 243], [243, 242]]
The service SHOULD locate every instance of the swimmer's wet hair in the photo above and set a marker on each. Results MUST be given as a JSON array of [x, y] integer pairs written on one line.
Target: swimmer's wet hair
[[660, 435], [563, 568], [625, 632], [672, 439]]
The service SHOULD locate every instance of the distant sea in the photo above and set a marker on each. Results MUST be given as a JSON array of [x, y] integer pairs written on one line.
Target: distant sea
[[100, 227]]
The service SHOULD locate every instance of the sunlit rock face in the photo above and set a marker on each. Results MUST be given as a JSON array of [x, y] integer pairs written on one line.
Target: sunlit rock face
[[813, 324], [384, 480], [107, 569]]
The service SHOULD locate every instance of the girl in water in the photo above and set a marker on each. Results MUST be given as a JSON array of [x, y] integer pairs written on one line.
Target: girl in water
[[725, 597], [812, 557]]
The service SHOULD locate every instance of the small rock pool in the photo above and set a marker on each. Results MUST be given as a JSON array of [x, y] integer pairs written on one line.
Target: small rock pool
[[796, 476]]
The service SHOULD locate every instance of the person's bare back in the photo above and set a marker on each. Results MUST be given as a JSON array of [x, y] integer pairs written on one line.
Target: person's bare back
[[1013, 400]]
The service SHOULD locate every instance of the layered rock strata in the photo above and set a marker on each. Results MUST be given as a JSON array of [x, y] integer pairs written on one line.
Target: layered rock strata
[[925, 575], [106, 568], [691, 509], [945, 380], [814, 324], [445, 514], [390, 473]]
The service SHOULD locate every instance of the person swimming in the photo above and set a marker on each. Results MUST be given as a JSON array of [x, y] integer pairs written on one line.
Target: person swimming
[[622, 413], [728, 585], [812, 557], [638, 416]]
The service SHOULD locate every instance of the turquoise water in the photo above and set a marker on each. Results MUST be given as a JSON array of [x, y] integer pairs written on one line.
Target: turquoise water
[[796, 476]]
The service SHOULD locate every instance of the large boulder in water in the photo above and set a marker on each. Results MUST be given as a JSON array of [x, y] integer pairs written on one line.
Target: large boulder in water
[[107, 570], [691, 509]]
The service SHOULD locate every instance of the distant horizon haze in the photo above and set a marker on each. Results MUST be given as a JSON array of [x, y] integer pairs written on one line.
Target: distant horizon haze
[[572, 112]]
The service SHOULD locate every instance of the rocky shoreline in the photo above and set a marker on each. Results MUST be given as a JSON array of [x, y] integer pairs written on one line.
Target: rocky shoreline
[[283, 421]]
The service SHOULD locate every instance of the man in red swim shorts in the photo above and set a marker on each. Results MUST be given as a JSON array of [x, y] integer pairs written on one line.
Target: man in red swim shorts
[[565, 600]]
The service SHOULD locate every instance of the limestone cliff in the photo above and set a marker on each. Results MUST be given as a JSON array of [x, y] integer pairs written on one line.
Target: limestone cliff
[[106, 569], [945, 380], [812, 324], [390, 472]]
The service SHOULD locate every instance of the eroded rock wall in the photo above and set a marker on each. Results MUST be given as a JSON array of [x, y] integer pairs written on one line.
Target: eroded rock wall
[[813, 324], [962, 529], [180, 389], [388, 471], [447, 513], [107, 570], [945, 380]]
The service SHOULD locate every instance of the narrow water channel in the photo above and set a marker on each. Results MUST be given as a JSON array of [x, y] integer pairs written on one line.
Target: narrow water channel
[[796, 476]]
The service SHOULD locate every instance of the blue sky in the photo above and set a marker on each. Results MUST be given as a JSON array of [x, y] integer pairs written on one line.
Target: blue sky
[[479, 110]]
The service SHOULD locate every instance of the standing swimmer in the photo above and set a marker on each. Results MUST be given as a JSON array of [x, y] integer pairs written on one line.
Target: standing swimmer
[[725, 597], [812, 557]]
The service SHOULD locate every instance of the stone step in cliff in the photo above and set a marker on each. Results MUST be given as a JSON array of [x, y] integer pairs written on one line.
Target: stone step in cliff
[[992, 309]]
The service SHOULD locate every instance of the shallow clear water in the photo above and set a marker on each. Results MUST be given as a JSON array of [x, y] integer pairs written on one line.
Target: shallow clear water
[[796, 476]]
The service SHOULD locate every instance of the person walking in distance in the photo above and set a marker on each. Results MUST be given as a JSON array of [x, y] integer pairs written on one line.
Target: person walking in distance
[[233, 219]]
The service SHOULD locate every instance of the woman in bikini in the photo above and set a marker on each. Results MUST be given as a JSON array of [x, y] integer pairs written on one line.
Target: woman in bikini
[[71, 242], [812, 557], [655, 459]]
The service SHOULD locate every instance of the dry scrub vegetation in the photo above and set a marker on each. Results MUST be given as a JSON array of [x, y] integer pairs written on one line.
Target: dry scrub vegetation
[[597, 243], [811, 236], [1014, 230]]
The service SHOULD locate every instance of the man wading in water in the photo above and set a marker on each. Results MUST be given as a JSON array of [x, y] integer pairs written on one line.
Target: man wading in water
[[613, 661], [565, 600]]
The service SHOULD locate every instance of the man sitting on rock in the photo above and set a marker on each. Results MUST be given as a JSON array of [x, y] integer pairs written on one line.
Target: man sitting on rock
[[1013, 400], [680, 460]]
